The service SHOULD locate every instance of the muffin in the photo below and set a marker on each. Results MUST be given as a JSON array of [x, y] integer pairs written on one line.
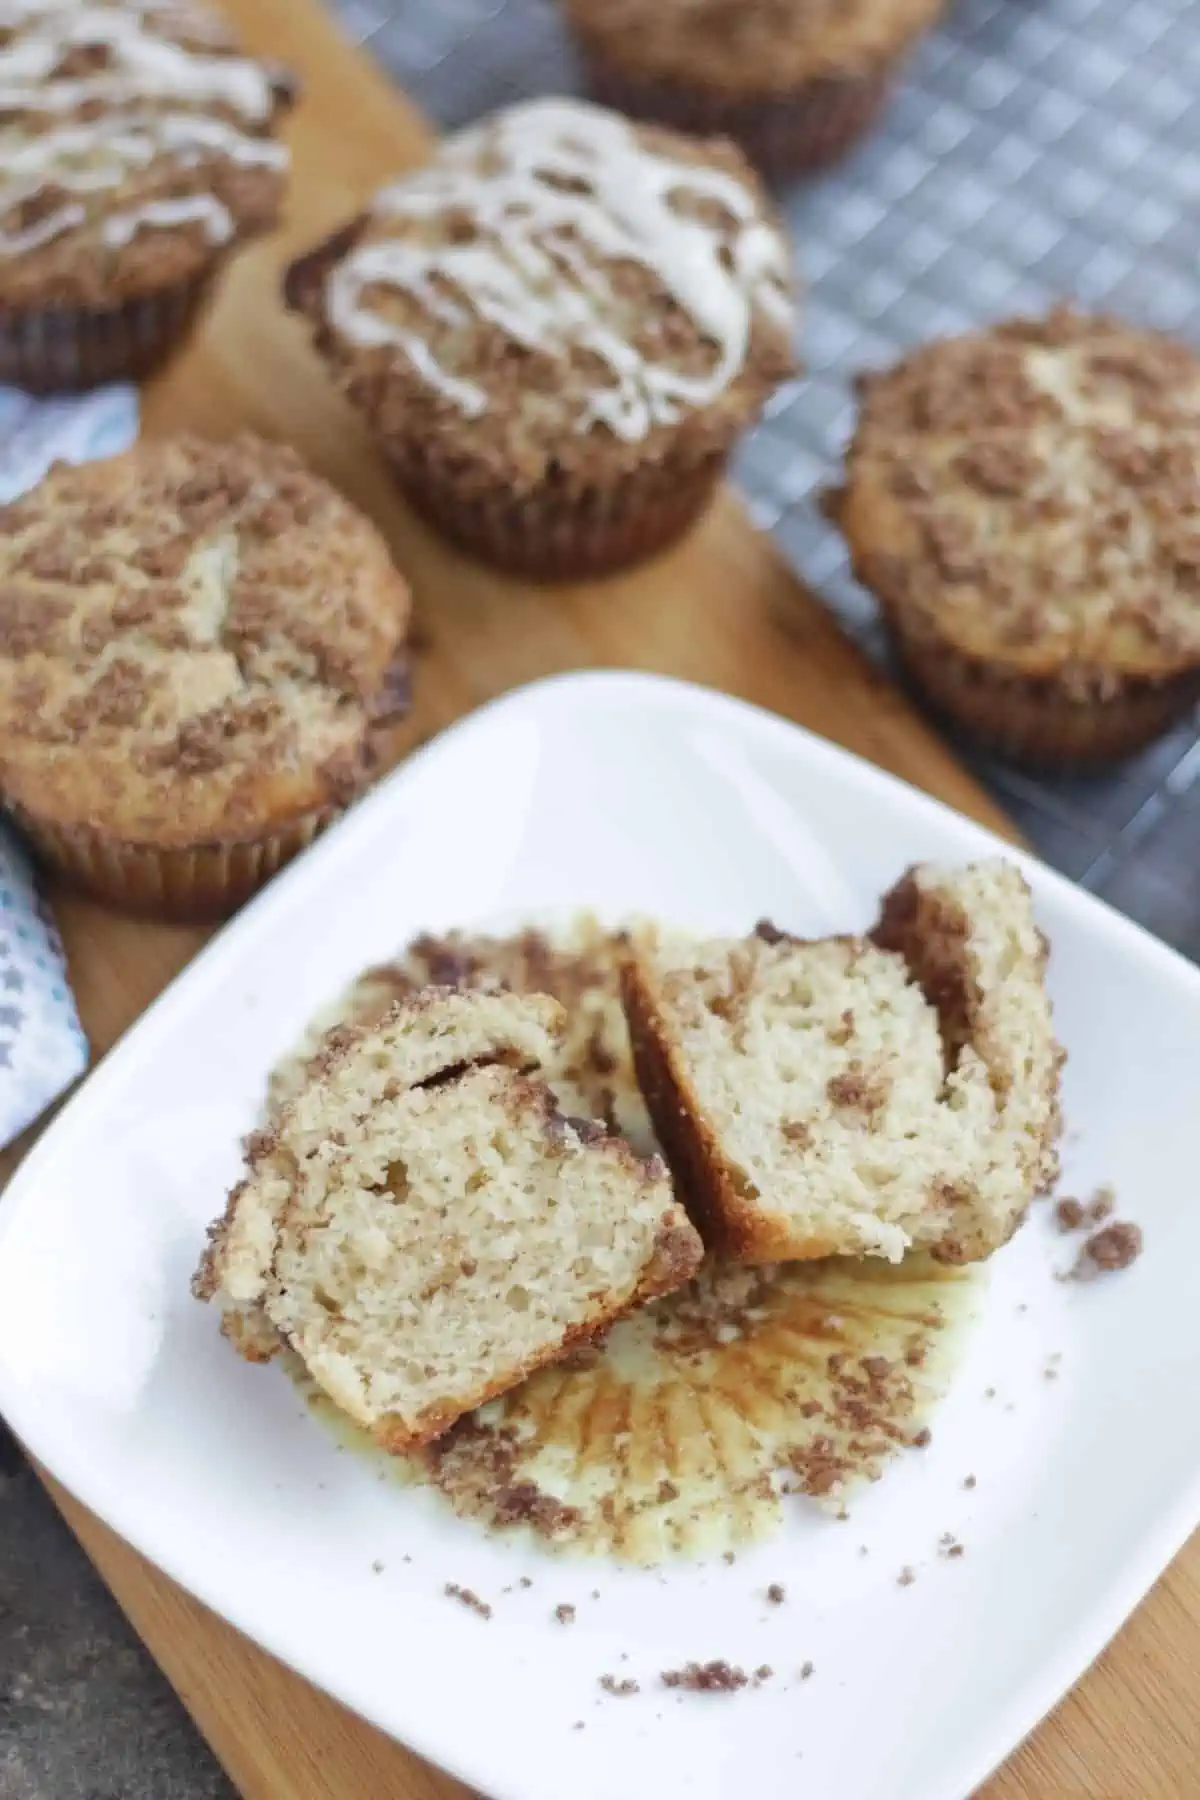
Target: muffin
[[199, 646], [557, 331], [424, 1227], [136, 151], [1025, 504], [794, 82], [854, 1097]]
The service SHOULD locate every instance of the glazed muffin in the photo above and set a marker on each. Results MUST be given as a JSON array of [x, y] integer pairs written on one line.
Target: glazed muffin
[[199, 646], [136, 151], [557, 331], [1025, 504], [794, 82]]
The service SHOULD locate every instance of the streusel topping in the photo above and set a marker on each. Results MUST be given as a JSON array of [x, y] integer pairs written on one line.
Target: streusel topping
[[1034, 491], [195, 638], [124, 123]]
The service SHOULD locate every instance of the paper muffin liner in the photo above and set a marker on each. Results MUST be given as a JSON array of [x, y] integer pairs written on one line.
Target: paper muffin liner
[[63, 349], [785, 133], [181, 885], [553, 535], [1044, 722]]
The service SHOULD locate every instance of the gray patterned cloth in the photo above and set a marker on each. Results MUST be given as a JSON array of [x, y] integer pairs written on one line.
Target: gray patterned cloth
[[42, 1046], [1036, 150]]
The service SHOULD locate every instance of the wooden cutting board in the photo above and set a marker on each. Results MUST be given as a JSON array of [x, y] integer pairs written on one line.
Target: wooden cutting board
[[721, 610]]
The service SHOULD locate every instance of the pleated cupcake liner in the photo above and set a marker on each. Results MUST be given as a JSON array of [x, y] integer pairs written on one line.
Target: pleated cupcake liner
[[66, 349], [783, 134]]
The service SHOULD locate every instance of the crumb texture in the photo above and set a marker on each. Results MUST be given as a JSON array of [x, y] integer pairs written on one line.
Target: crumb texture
[[852, 1096], [196, 643], [138, 144], [589, 1067], [424, 1228], [1028, 493]]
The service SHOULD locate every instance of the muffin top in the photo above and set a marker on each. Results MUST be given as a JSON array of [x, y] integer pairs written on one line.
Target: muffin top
[[1032, 494], [195, 642], [554, 279], [750, 46], [134, 140]]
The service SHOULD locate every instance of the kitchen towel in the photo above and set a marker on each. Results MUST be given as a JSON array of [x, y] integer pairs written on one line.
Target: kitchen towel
[[42, 1046]]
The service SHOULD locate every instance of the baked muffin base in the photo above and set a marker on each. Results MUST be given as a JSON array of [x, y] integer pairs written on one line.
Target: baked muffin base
[[782, 133], [1044, 722], [551, 534], [190, 885], [63, 349]]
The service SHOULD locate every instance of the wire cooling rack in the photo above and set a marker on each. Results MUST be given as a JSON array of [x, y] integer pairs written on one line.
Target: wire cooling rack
[[1038, 150]]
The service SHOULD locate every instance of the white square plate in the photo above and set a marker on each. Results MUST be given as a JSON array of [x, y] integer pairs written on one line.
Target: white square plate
[[627, 794]]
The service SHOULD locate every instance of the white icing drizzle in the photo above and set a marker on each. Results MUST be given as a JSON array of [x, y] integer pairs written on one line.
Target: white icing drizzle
[[141, 104], [557, 193]]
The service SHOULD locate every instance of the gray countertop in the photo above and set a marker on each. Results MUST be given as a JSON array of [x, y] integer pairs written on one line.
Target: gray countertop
[[84, 1713], [1005, 96]]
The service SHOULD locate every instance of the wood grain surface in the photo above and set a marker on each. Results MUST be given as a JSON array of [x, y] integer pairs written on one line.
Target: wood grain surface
[[721, 610]]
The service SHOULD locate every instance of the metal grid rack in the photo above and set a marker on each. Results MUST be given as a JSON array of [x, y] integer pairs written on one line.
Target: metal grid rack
[[1034, 152]]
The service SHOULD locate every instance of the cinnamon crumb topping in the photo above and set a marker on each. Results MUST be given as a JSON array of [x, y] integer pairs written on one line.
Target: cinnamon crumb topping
[[717, 1677], [467, 1598]]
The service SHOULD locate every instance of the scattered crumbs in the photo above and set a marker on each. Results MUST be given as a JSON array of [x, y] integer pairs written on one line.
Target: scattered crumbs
[[864, 1549], [1069, 1214], [947, 1537], [1023, 1306], [763, 1673], [1111, 1248], [565, 1614], [728, 1556], [906, 1577], [595, 1593], [970, 1482], [921, 1438], [466, 1597], [1102, 1204], [989, 1393], [526, 1581], [777, 1593], [377, 1568], [624, 1656], [1051, 1370], [956, 1550], [406, 1559], [715, 1677], [578, 1725], [949, 1544], [806, 1671], [620, 1688]]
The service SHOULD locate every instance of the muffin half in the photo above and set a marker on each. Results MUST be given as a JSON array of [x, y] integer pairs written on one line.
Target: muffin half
[[557, 331], [198, 647], [1025, 504], [136, 151]]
